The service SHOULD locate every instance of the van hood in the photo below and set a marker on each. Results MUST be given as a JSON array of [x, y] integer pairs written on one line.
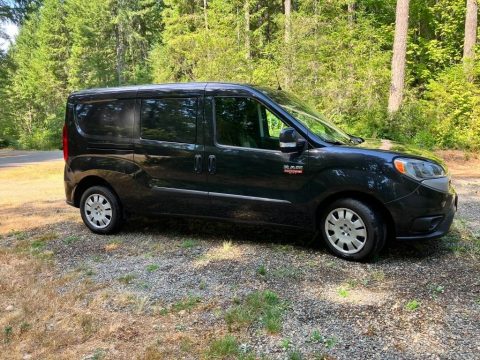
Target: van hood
[[400, 149]]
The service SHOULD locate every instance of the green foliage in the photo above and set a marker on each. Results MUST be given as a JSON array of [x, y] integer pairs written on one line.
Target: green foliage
[[452, 103], [338, 63], [262, 306], [152, 268], [295, 355], [188, 244], [262, 270], [412, 305], [343, 292], [66, 46], [7, 333], [186, 304], [223, 348]]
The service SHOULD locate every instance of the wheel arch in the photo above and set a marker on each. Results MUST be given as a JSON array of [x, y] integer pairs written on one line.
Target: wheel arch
[[86, 183], [360, 196]]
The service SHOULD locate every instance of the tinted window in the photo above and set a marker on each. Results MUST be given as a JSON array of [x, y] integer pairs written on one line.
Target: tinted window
[[109, 118], [172, 120], [245, 122]]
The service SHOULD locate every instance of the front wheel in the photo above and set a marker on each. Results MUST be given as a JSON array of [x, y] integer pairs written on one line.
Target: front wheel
[[353, 229], [100, 210]]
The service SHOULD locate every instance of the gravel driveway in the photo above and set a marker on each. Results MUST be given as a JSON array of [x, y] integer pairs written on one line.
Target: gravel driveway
[[176, 281]]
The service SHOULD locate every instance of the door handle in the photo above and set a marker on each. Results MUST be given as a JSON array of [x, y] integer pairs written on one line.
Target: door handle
[[198, 164], [212, 164]]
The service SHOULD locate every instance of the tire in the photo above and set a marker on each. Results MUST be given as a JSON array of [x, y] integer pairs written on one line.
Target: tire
[[352, 229], [101, 210]]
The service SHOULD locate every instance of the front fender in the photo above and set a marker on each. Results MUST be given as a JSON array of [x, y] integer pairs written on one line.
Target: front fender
[[366, 173]]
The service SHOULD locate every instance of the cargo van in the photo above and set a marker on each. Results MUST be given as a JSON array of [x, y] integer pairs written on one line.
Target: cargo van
[[247, 154]]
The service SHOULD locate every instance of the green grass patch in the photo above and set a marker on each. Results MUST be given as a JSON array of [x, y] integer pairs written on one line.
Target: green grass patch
[[262, 270], [127, 279], [436, 290], [7, 333], [37, 245], [287, 272], [343, 292], [223, 348], [71, 239], [188, 244], [89, 272], [186, 304], [152, 268], [461, 240], [295, 355], [24, 327], [19, 235], [263, 307], [412, 305], [317, 338]]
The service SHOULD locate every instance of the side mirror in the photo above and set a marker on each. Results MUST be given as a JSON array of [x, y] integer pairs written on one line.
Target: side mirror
[[290, 141], [356, 139]]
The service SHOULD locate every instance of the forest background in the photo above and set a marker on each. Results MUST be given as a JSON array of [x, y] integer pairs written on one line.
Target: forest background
[[335, 54]]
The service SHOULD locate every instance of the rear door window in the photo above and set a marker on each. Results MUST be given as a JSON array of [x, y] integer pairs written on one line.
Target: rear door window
[[172, 120], [112, 118]]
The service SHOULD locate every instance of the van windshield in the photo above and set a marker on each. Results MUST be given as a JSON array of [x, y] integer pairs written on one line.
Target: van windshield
[[309, 117]]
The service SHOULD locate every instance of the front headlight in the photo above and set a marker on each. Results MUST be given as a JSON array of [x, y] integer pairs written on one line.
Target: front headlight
[[418, 169]]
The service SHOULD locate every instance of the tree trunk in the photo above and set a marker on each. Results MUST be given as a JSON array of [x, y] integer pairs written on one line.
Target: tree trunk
[[351, 11], [205, 13], [470, 38], [288, 20], [248, 50], [120, 53], [399, 56]]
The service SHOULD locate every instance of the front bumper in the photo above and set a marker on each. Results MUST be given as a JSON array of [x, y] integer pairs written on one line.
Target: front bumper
[[440, 230], [425, 214]]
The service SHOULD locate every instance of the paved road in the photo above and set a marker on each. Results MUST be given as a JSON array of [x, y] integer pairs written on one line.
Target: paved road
[[12, 158]]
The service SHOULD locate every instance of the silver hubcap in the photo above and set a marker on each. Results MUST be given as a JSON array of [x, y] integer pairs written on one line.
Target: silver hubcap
[[345, 230], [98, 211]]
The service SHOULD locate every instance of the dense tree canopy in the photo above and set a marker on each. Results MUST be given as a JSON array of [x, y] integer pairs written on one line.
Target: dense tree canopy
[[336, 54]]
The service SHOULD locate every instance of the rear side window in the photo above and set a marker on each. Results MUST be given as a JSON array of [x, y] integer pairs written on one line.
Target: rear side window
[[113, 118], [173, 120]]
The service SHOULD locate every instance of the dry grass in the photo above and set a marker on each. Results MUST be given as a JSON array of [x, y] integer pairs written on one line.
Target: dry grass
[[39, 320], [33, 196]]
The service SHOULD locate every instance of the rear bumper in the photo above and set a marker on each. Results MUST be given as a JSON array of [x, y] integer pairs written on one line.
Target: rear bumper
[[69, 186], [424, 214]]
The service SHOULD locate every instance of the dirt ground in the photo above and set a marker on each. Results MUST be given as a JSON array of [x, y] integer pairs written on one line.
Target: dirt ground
[[177, 289]]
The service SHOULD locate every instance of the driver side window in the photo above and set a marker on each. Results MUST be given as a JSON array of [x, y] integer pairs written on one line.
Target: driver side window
[[245, 122]]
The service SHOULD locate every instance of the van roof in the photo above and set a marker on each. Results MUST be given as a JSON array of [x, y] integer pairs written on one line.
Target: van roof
[[174, 87]]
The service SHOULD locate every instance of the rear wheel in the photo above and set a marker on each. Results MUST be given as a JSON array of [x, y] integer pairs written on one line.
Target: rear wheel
[[100, 210], [353, 229]]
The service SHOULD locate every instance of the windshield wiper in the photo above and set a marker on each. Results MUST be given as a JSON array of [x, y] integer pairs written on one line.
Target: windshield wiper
[[333, 142]]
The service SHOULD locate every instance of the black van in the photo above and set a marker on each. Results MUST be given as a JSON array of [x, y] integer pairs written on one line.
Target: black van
[[251, 154]]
